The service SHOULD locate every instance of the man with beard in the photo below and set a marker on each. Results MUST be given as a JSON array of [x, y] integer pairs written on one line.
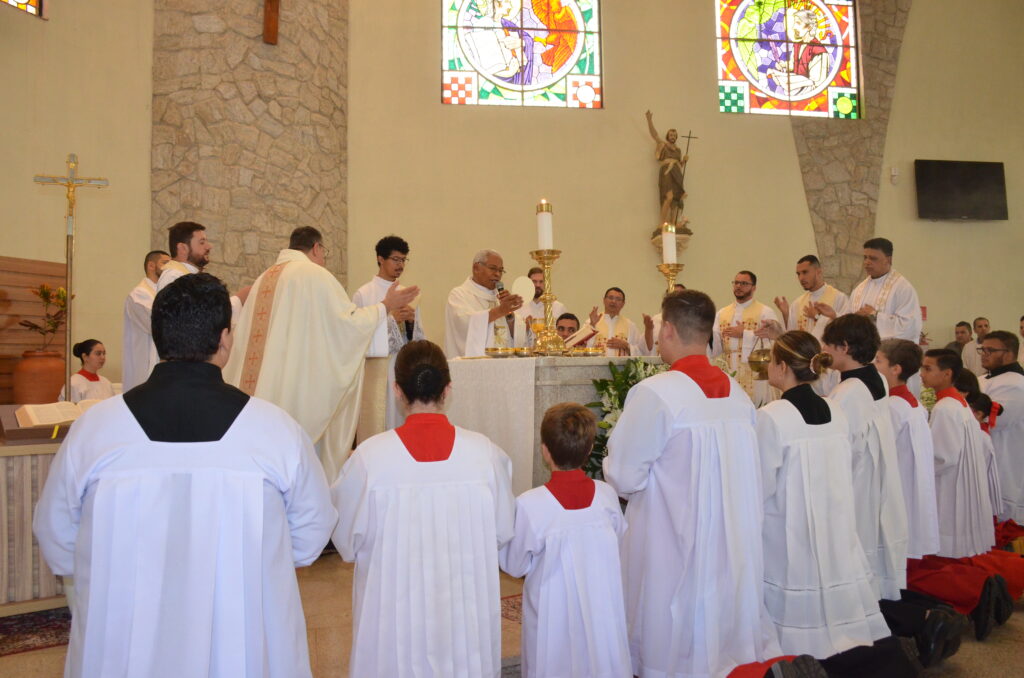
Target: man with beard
[[533, 310], [737, 329]]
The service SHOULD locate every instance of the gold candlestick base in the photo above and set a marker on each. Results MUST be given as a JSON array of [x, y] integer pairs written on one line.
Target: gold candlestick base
[[547, 341], [670, 271]]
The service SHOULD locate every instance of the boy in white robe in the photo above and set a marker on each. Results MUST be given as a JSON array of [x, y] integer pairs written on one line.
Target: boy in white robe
[[1005, 385], [566, 544], [961, 478], [182, 508], [852, 341], [684, 453], [897, 361], [423, 510]]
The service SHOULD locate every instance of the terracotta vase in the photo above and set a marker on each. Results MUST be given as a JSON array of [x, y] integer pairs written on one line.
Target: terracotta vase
[[38, 377]]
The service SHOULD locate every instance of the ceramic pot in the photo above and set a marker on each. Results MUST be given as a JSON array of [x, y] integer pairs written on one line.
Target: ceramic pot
[[38, 377]]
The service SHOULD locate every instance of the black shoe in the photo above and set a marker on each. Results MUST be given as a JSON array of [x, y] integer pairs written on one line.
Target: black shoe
[[804, 666], [982, 614], [910, 655], [940, 637], [1003, 607]]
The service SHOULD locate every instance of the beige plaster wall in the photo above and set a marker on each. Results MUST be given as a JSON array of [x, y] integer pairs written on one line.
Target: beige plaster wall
[[79, 82], [956, 99]]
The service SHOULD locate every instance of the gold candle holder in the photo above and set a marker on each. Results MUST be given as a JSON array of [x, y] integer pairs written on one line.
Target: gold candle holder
[[670, 271], [547, 342]]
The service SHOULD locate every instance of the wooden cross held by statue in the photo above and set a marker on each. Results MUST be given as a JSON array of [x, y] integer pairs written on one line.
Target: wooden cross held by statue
[[71, 182], [689, 137]]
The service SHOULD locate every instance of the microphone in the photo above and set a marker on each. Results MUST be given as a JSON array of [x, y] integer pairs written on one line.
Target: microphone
[[499, 286], [510, 318]]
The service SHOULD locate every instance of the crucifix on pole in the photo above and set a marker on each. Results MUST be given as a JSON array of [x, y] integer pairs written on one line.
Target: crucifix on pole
[[71, 182]]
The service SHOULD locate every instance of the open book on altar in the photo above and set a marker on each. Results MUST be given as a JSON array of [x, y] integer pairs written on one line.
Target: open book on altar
[[52, 414]]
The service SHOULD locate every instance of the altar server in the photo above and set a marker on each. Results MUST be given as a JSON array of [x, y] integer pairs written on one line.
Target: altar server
[[738, 328], [182, 509], [137, 334], [684, 453], [852, 341], [87, 383], [961, 480], [424, 509], [817, 578], [984, 411], [480, 313], [1005, 385], [897, 361], [566, 544]]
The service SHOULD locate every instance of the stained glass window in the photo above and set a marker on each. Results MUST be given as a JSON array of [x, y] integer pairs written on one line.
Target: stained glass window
[[521, 53], [788, 57], [30, 6]]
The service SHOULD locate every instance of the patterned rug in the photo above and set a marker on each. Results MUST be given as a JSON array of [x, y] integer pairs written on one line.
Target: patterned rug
[[34, 631], [512, 608]]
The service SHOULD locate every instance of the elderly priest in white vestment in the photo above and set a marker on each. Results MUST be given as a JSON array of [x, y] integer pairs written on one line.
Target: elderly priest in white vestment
[[137, 337], [480, 313], [684, 453], [182, 509], [301, 344]]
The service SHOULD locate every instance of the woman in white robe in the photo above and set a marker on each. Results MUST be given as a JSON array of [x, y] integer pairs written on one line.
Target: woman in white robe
[[423, 510], [87, 383], [817, 578]]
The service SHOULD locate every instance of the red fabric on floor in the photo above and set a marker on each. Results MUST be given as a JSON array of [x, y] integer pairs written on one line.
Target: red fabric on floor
[[1006, 532], [1005, 563], [951, 581], [757, 669]]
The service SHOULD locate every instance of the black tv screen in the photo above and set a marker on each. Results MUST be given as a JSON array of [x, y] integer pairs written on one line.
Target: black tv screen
[[948, 189]]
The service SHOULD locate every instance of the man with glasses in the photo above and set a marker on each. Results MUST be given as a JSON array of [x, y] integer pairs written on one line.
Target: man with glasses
[[300, 343], [1005, 385], [615, 333], [380, 411], [734, 334], [478, 315]]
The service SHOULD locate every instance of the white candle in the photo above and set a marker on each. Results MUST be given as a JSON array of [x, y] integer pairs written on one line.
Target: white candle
[[545, 229], [668, 245]]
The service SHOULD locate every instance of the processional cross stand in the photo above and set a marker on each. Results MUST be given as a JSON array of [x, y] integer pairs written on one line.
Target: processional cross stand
[[71, 182]]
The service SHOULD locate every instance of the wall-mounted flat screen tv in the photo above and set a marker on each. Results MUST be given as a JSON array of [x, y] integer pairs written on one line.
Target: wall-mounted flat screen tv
[[948, 189]]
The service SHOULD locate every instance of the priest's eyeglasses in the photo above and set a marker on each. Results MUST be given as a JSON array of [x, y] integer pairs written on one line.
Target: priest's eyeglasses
[[399, 260], [494, 269], [742, 283], [988, 350]]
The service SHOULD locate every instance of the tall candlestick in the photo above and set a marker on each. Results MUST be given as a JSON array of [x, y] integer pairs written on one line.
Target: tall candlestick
[[545, 228], [548, 342], [668, 244]]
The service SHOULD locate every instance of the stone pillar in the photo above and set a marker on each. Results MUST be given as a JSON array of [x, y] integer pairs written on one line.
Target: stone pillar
[[841, 160], [249, 139]]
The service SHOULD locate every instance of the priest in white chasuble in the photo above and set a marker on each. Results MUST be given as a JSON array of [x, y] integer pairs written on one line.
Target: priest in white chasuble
[[480, 313], [961, 474], [881, 514], [182, 509], [737, 330], [684, 454], [886, 296], [300, 343], [1005, 385], [423, 511], [379, 411], [137, 337], [615, 333]]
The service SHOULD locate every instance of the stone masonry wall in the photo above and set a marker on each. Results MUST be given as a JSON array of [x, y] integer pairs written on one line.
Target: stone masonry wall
[[249, 139], [841, 160]]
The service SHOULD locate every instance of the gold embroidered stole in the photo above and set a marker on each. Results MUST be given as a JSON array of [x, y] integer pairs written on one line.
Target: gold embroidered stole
[[733, 348], [883, 295], [604, 331], [828, 297], [178, 266], [258, 330]]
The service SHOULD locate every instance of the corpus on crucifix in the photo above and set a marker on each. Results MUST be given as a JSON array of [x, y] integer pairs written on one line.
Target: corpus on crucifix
[[71, 183]]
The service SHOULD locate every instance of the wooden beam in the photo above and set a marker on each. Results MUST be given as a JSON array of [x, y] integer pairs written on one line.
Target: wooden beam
[[271, 13]]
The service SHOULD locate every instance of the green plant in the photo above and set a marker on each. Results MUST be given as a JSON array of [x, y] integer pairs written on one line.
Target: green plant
[[612, 393], [52, 321]]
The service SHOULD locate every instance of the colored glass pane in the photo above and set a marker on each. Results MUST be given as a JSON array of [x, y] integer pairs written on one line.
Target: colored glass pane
[[788, 57], [30, 6], [521, 53]]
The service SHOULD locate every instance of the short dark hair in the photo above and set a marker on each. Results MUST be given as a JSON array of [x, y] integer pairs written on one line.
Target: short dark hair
[[982, 402], [304, 239], [84, 348], [678, 287], [884, 245], [568, 431], [751, 274], [692, 314], [153, 255], [535, 269], [181, 233], [568, 316], [966, 382], [981, 317], [809, 259], [946, 359], [857, 332], [189, 316], [616, 289], [421, 371], [802, 353], [964, 323], [1009, 340], [390, 243], [904, 353]]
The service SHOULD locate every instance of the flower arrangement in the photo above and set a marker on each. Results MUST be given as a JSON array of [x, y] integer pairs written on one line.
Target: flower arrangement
[[928, 398], [52, 321], [612, 393]]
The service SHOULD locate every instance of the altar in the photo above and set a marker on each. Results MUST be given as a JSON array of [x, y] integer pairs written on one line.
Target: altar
[[505, 399]]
